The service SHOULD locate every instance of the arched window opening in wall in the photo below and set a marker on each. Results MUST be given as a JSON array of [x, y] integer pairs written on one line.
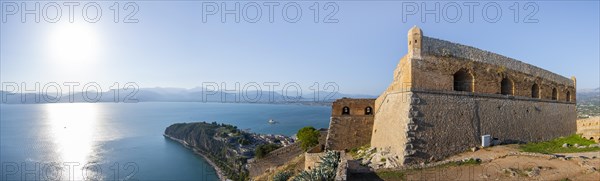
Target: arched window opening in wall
[[568, 96], [369, 111], [506, 87], [345, 110], [535, 91], [554, 94], [464, 81]]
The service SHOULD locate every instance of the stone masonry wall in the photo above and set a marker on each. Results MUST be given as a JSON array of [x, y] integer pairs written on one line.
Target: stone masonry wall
[[274, 159], [452, 122], [437, 73], [280, 156], [357, 106], [311, 160], [347, 131], [444, 48], [589, 128], [390, 128]]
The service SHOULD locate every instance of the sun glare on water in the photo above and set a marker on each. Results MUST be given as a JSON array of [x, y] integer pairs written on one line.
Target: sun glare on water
[[73, 128]]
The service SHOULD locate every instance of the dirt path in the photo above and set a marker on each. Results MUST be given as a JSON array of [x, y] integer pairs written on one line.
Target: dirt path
[[507, 163]]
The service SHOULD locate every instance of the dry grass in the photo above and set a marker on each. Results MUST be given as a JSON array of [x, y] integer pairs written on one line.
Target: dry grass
[[296, 165]]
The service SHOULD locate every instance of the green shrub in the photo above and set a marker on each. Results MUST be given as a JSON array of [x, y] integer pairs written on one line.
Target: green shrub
[[555, 146]]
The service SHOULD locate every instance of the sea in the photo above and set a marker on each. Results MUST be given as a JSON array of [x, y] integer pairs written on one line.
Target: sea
[[124, 141]]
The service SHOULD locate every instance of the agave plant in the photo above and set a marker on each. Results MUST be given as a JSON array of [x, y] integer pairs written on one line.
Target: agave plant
[[307, 176], [282, 176], [325, 171]]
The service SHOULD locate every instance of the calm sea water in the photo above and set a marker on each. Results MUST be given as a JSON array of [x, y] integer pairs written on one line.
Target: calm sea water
[[110, 141]]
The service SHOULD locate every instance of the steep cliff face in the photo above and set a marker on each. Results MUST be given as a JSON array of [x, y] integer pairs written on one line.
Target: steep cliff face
[[205, 138]]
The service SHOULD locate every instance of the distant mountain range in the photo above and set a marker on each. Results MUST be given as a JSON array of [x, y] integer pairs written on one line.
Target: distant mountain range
[[589, 96], [160, 94], [596, 90]]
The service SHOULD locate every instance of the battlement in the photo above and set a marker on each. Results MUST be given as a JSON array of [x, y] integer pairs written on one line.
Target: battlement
[[437, 47], [438, 65], [352, 107]]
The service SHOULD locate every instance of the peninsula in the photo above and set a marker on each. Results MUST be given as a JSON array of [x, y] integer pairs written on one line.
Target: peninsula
[[224, 146]]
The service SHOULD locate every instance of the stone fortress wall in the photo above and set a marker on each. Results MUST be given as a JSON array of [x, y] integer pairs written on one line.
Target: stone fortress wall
[[589, 128], [442, 62], [445, 96], [281, 156], [351, 123], [274, 159], [444, 124]]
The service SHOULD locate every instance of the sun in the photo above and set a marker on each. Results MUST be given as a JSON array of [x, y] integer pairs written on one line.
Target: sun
[[73, 44]]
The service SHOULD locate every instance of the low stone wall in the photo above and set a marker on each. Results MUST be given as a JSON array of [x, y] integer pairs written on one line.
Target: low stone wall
[[341, 173], [275, 158], [311, 160], [281, 156], [589, 128]]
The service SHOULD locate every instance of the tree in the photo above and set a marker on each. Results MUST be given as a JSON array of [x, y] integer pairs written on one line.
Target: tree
[[308, 137]]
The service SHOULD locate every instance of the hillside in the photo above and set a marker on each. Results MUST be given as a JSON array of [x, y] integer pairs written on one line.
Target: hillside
[[588, 103], [225, 145]]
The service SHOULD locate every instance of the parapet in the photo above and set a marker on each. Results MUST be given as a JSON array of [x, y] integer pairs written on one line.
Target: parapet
[[437, 47], [353, 107]]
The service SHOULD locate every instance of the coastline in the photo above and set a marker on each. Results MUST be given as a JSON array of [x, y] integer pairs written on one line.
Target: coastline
[[196, 151]]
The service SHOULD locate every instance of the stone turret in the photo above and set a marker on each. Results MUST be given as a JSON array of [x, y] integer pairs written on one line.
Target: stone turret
[[415, 37]]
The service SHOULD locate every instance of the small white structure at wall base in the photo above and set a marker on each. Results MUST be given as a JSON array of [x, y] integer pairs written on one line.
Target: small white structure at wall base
[[486, 140]]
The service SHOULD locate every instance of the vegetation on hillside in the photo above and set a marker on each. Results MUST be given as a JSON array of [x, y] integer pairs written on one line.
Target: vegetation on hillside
[[308, 137], [201, 136], [265, 149], [588, 103], [556, 145], [362, 151], [293, 167]]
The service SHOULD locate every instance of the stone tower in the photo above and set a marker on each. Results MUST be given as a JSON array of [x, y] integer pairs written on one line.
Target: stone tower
[[415, 37]]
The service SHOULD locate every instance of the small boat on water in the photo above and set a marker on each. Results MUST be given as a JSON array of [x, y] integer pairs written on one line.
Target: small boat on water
[[271, 121]]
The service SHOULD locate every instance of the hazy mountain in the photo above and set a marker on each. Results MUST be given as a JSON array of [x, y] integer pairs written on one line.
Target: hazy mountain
[[588, 96], [159, 94], [596, 90]]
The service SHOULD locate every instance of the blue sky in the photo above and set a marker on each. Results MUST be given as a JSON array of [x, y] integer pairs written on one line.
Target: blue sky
[[171, 46]]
